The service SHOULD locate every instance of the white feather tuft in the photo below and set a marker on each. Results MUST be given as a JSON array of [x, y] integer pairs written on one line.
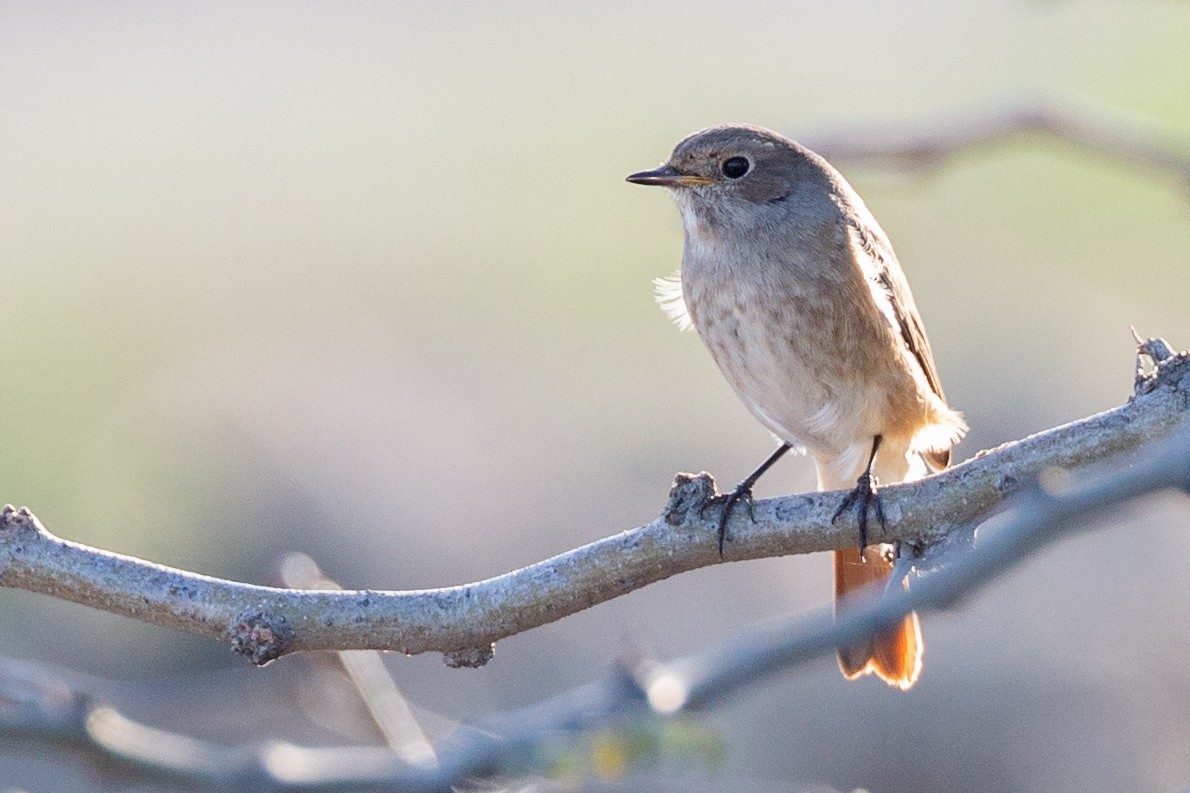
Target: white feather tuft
[[945, 429], [669, 297]]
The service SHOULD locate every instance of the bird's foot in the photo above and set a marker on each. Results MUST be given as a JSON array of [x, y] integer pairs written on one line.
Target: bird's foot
[[728, 502], [866, 501]]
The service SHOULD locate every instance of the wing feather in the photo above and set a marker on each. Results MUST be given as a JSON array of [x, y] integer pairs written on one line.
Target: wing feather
[[891, 291]]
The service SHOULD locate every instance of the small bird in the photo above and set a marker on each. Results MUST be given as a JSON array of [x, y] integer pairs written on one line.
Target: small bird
[[795, 290]]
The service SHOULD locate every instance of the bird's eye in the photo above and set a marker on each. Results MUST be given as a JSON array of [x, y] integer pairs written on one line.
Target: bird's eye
[[735, 167]]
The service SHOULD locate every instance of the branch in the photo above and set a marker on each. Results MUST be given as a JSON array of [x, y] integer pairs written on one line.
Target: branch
[[463, 622], [1041, 515], [42, 706], [1083, 126], [37, 703]]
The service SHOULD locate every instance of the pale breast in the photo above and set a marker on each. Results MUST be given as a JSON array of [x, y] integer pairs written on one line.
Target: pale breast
[[813, 374]]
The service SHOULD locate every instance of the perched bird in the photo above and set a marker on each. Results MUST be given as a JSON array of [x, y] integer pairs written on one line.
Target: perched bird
[[795, 290]]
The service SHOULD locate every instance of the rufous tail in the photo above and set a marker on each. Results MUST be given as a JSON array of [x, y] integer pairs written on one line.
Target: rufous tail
[[895, 655]]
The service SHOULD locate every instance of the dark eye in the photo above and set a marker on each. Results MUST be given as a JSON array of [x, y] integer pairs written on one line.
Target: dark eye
[[735, 167]]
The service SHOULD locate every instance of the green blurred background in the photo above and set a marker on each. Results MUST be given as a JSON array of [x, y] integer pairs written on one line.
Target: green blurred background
[[364, 280]]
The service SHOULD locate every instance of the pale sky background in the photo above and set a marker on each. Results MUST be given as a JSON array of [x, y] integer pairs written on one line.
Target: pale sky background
[[364, 280]]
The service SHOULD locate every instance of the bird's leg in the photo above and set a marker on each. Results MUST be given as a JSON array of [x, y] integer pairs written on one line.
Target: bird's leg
[[865, 498], [743, 492]]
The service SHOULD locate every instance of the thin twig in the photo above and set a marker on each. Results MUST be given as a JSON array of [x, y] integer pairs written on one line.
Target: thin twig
[[1081, 125]]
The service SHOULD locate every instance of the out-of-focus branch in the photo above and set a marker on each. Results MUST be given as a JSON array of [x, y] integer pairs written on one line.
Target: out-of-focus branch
[[464, 621], [365, 669], [1083, 126], [40, 706]]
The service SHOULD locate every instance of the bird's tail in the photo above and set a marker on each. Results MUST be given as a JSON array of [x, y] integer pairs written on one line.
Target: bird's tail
[[895, 655]]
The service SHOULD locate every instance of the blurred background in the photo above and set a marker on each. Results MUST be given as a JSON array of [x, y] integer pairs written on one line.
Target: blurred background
[[365, 281]]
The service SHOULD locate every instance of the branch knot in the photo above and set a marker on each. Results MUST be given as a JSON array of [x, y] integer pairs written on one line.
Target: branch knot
[[18, 522], [261, 637], [689, 493], [1169, 368], [471, 658]]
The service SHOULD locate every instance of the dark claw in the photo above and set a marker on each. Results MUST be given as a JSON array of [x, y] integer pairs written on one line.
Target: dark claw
[[743, 492], [729, 501], [866, 499]]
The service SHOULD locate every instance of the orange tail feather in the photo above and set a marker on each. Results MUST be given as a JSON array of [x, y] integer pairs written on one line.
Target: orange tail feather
[[895, 655]]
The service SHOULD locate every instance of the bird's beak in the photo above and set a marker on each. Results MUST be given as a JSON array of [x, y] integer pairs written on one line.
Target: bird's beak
[[668, 176]]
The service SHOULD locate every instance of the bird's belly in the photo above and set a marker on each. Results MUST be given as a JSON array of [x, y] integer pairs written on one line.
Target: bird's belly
[[807, 378], [784, 388]]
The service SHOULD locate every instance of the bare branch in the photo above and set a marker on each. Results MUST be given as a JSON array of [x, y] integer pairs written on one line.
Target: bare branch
[[42, 706], [39, 704], [1080, 125], [463, 622]]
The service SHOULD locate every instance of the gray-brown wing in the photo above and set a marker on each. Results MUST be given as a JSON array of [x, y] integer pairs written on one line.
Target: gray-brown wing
[[889, 278]]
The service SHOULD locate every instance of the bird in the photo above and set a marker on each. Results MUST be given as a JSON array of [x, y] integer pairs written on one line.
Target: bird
[[795, 290]]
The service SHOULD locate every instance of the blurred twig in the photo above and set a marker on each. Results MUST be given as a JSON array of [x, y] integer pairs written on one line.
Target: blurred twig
[[366, 670], [38, 703], [463, 622], [1081, 125], [44, 707]]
